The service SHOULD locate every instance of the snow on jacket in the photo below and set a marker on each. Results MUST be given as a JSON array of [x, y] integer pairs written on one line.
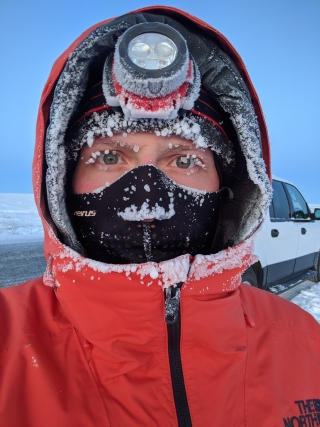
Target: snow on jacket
[[88, 345]]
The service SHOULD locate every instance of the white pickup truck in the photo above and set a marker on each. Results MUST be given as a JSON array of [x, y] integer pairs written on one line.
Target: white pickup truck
[[288, 243]]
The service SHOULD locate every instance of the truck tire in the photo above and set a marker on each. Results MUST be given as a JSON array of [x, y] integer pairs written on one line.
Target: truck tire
[[249, 277]]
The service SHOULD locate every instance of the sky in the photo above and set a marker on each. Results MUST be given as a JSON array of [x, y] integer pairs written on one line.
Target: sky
[[277, 39]]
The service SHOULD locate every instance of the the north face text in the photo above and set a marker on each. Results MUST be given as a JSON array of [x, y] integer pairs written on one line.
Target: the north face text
[[308, 414]]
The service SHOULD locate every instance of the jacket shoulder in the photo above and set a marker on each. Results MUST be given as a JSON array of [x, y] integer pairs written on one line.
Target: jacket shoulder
[[30, 308], [271, 310]]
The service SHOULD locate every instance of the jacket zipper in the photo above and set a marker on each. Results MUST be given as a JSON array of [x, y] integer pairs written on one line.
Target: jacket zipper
[[172, 318]]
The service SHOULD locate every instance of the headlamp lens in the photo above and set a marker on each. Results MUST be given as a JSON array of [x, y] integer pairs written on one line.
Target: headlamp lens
[[152, 51]]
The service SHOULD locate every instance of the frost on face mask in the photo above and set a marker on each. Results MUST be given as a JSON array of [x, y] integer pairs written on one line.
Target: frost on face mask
[[132, 225], [132, 213]]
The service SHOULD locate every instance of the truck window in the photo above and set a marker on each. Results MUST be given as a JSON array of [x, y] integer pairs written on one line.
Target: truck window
[[299, 205], [280, 202], [271, 210]]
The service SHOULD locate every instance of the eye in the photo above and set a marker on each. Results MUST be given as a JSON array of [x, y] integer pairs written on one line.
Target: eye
[[110, 158], [184, 162]]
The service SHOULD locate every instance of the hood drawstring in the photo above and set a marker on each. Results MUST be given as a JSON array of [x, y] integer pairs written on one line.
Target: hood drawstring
[[250, 322]]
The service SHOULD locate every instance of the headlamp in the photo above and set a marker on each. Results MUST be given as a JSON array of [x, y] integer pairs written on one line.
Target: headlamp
[[151, 74]]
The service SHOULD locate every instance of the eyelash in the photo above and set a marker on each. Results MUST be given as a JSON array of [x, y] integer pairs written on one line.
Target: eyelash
[[96, 155], [196, 160], [93, 157]]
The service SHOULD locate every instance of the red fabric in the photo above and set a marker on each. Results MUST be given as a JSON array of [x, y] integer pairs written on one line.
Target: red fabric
[[90, 348], [93, 352]]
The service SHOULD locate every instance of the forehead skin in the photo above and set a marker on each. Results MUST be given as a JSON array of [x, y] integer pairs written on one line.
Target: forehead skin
[[144, 149]]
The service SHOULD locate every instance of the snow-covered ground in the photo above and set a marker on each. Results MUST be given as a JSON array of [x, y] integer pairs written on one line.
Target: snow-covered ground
[[20, 222], [309, 300], [19, 219]]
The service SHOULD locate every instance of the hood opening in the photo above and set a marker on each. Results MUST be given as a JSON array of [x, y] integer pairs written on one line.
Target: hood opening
[[241, 214]]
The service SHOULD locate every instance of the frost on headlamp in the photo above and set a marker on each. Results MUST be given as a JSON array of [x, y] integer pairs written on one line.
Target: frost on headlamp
[[152, 51], [151, 74]]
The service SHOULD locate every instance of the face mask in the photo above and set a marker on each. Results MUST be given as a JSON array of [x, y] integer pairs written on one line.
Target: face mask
[[110, 224]]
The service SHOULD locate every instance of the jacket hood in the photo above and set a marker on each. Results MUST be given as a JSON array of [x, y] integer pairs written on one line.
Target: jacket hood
[[224, 77]]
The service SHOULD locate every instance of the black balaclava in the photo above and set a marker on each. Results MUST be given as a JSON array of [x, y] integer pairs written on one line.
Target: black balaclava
[[110, 224]]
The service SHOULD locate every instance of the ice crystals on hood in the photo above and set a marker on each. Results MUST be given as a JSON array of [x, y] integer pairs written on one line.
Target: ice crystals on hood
[[167, 273]]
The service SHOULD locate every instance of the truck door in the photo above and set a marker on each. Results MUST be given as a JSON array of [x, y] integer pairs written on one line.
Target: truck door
[[306, 228], [283, 237]]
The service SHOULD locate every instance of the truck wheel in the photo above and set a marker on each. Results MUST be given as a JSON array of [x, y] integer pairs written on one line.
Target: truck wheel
[[249, 277]]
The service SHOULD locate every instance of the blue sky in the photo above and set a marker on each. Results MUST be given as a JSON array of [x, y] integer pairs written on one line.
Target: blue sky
[[277, 39]]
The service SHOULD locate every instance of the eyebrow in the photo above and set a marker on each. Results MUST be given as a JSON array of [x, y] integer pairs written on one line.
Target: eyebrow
[[182, 147], [114, 143], [122, 144]]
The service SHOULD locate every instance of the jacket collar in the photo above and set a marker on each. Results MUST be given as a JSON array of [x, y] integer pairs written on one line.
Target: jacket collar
[[99, 298], [66, 267]]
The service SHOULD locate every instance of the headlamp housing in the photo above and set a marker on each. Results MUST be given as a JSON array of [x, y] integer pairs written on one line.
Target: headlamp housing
[[151, 74], [152, 34]]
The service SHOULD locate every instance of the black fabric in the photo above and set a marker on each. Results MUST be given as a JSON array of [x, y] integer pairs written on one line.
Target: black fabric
[[110, 231], [205, 106]]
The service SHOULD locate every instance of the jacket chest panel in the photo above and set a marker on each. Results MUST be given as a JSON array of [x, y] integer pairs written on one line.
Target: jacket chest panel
[[51, 381], [214, 355], [124, 322], [290, 388]]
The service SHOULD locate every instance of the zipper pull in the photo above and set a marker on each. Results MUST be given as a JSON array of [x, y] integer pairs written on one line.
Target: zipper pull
[[172, 304]]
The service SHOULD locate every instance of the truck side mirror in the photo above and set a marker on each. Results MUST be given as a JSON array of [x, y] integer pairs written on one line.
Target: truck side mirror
[[317, 213]]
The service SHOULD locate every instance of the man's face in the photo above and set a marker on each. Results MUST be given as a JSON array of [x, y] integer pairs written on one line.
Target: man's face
[[109, 158]]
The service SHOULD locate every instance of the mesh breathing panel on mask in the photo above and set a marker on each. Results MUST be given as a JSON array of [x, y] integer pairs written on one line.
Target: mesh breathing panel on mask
[[110, 224]]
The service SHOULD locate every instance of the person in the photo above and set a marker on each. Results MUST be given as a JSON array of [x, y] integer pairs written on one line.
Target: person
[[152, 176]]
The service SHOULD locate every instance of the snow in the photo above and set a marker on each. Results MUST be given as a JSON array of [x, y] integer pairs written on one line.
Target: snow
[[19, 219], [132, 213], [20, 222], [309, 300], [189, 128]]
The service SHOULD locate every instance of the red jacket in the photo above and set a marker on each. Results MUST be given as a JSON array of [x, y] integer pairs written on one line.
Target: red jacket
[[94, 352], [92, 348]]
